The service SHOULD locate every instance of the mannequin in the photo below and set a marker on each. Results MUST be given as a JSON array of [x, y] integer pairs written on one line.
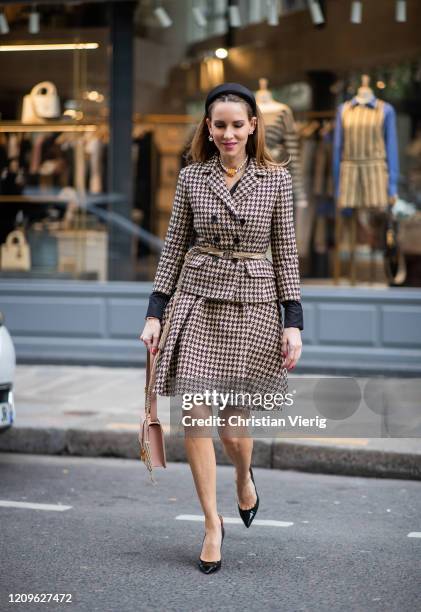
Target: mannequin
[[282, 139], [365, 161], [281, 135], [364, 92]]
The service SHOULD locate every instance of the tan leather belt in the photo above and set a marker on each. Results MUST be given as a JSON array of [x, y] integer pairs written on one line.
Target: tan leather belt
[[229, 254]]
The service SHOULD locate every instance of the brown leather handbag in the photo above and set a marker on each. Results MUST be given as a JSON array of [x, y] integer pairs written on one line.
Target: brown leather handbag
[[151, 434]]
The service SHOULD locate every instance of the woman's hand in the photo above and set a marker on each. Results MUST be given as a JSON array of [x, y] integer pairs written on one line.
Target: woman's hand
[[150, 334], [291, 347]]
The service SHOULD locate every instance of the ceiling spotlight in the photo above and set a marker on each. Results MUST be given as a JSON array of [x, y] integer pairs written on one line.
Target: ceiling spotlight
[[356, 11], [400, 11], [164, 19], [254, 12], [272, 12], [4, 26], [199, 16], [316, 12], [234, 17], [221, 53], [34, 19]]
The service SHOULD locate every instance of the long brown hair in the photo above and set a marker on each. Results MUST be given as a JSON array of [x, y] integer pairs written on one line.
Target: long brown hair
[[201, 148]]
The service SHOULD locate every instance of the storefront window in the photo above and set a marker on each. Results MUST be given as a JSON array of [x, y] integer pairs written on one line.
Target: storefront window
[[60, 219], [320, 244], [53, 146]]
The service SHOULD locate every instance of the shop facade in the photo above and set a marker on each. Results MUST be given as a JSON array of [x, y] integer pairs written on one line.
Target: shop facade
[[91, 190]]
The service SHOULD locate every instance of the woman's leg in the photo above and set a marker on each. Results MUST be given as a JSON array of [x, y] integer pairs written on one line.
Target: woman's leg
[[238, 446], [201, 456]]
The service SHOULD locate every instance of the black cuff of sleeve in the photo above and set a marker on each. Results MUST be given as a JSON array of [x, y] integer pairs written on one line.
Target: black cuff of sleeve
[[157, 304], [293, 315]]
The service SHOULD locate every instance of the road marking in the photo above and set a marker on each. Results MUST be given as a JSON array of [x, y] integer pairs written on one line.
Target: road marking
[[414, 534], [16, 504], [261, 522]]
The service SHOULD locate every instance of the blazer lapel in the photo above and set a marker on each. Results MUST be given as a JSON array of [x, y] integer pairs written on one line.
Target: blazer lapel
[[248, 182]]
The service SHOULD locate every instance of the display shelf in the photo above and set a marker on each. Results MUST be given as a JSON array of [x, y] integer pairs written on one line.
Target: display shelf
[[32, 199], [91, 126], [55, 126]]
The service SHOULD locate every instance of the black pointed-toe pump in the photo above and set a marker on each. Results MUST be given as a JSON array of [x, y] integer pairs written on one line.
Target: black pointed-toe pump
[[208, 567], [248, 515]]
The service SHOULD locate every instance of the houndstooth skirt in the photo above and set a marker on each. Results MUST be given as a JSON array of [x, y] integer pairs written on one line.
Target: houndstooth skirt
[[229, 347]]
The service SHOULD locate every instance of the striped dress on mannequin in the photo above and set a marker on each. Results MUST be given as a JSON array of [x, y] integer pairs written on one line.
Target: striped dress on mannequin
[[366, 154]]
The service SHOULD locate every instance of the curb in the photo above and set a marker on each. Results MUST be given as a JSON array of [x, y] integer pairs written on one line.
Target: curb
[[271, 454]]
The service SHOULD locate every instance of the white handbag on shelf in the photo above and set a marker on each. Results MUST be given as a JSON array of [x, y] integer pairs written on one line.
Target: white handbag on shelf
[[15, 252], [41, 104]]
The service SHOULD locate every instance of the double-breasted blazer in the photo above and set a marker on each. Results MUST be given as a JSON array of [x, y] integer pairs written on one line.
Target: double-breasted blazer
[[258, 215]]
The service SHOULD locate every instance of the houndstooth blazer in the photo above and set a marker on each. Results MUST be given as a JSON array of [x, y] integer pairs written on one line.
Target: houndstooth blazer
[[257, 216]]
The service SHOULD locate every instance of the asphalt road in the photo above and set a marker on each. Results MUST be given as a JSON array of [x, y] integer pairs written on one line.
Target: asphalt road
[[116, 543]]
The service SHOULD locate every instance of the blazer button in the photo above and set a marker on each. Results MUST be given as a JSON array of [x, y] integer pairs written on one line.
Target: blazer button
[[236, 240], [242, 220], [217, 238], [214, 218]]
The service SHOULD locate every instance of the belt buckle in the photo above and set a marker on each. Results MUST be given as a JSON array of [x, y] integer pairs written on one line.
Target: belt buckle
[[227, 254]]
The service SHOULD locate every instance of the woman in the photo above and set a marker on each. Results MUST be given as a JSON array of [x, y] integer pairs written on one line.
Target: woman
[[232, 202]]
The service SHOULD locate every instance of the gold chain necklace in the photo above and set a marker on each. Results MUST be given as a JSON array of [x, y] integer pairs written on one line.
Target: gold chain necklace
[[232, 171]]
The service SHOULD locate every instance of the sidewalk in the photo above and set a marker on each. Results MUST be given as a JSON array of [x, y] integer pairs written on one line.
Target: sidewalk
[[96, 411]]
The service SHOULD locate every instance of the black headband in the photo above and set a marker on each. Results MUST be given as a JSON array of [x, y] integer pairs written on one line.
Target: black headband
[[231, 88]]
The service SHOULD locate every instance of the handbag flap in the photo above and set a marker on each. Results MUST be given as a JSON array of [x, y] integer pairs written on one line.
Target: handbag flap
[[157, 444]]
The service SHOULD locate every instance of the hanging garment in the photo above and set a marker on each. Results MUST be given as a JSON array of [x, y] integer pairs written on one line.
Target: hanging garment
[[13, 146], [304, 217], [323, 178], [283, 135], [94, 150], [366, 163], [80, 166], [36, 157], [323, 192]]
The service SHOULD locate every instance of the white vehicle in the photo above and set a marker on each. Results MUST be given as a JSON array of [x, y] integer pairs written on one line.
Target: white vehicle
[[7, 375]]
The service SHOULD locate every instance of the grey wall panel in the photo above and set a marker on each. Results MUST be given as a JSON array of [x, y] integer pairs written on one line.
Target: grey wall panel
[[346, 330], [401, 325], [124, 317], [342, 323], [359, 360], [55, 316], [79, 351], [308, 335]]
